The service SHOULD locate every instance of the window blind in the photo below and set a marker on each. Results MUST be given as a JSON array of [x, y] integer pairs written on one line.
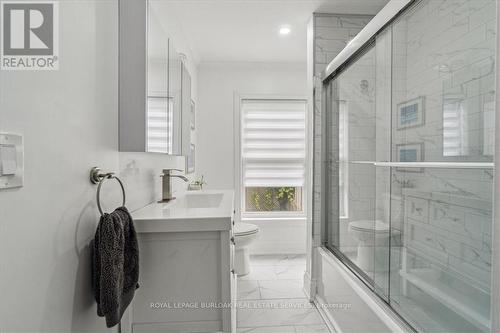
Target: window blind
[[159, 125], [343, 158], [455, 131], [273, 143]]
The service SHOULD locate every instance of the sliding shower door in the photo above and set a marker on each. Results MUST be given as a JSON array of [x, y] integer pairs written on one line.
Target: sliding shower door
[[352, 181], [410, 150], [358, 130], [442, 172]]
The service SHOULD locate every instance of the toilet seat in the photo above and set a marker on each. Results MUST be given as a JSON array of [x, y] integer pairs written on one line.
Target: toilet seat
[[369, 226], [245, 229]]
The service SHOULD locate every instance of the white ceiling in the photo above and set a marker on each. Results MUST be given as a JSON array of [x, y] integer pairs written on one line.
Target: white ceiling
[[247, 30]]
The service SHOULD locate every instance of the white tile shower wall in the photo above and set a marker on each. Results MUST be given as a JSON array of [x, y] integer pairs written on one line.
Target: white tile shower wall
[[451, 233], [452, 61], [451, 48]]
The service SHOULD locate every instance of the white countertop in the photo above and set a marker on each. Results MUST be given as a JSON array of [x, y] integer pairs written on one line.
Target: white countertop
[[210, 210]]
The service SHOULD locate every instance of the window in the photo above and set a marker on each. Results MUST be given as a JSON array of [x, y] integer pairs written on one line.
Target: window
[[455, 131], [160, 125], [273, 151]]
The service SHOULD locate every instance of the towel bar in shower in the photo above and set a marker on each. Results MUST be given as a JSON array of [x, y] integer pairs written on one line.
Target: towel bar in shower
[[96, 177], [431, 165]]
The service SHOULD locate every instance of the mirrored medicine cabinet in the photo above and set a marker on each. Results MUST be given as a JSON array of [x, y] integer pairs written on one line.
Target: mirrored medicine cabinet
[[154, 84]]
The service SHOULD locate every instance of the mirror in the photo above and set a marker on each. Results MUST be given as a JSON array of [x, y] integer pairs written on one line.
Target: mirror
[[159, 124], [154, 84], [175, 97], [186, 109]]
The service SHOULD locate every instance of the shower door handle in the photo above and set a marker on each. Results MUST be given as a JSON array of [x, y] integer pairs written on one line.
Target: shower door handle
[[436, 165]]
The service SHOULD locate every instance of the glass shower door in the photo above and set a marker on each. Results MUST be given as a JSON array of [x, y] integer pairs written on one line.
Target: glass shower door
[[410, 150], [358, 132], [441, 164], [351, 173]]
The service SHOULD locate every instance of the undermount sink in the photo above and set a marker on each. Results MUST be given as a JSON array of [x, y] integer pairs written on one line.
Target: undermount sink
[[211, 200]]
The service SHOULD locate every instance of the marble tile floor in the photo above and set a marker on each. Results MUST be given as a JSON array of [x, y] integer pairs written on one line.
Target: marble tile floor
[[271, 298]]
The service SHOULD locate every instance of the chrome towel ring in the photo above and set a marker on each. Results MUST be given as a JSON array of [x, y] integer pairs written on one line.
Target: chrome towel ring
[[96, 177]]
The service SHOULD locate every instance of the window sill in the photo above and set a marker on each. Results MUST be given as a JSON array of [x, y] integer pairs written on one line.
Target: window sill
[[273, 218]]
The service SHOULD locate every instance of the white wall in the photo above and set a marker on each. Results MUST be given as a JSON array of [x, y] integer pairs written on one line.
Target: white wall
[[217, 85], [69, 122], [69, 119]]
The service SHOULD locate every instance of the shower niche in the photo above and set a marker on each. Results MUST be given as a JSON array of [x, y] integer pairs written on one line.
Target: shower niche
[[410, 149]]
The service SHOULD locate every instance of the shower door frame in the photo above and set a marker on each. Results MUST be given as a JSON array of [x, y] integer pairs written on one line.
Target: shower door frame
[[495, 260], [329, 87], [357, 46]]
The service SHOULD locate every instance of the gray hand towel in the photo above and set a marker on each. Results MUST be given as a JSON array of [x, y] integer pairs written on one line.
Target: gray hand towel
[[115, 265]]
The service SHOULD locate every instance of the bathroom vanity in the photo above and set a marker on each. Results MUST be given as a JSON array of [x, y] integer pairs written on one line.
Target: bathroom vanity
[[186, 278]]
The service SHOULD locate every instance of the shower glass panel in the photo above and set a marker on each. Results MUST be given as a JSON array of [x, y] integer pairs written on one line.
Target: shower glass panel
[[351, 149], [409, 151], [443, 113]]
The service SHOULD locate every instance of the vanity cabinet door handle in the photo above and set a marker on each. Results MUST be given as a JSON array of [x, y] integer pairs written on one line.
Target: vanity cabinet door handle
[[232, 271], [232, 240]]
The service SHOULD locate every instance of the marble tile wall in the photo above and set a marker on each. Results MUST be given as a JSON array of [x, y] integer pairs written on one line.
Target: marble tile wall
[[444, 52], [455, 70], [449, 232]]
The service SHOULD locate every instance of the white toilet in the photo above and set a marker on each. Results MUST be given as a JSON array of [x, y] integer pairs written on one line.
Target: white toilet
[[244, 235], [372, 237]]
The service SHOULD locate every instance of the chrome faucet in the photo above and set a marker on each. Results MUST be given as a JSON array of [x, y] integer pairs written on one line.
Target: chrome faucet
[[167, 184]]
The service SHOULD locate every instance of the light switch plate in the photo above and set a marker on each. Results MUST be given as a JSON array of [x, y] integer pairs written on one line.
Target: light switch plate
[[11, 160]]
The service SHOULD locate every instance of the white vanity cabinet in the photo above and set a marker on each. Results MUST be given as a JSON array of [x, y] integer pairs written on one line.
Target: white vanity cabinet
[[187, 283]]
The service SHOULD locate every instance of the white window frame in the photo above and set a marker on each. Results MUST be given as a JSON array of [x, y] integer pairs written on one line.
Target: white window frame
[[238, 162]]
